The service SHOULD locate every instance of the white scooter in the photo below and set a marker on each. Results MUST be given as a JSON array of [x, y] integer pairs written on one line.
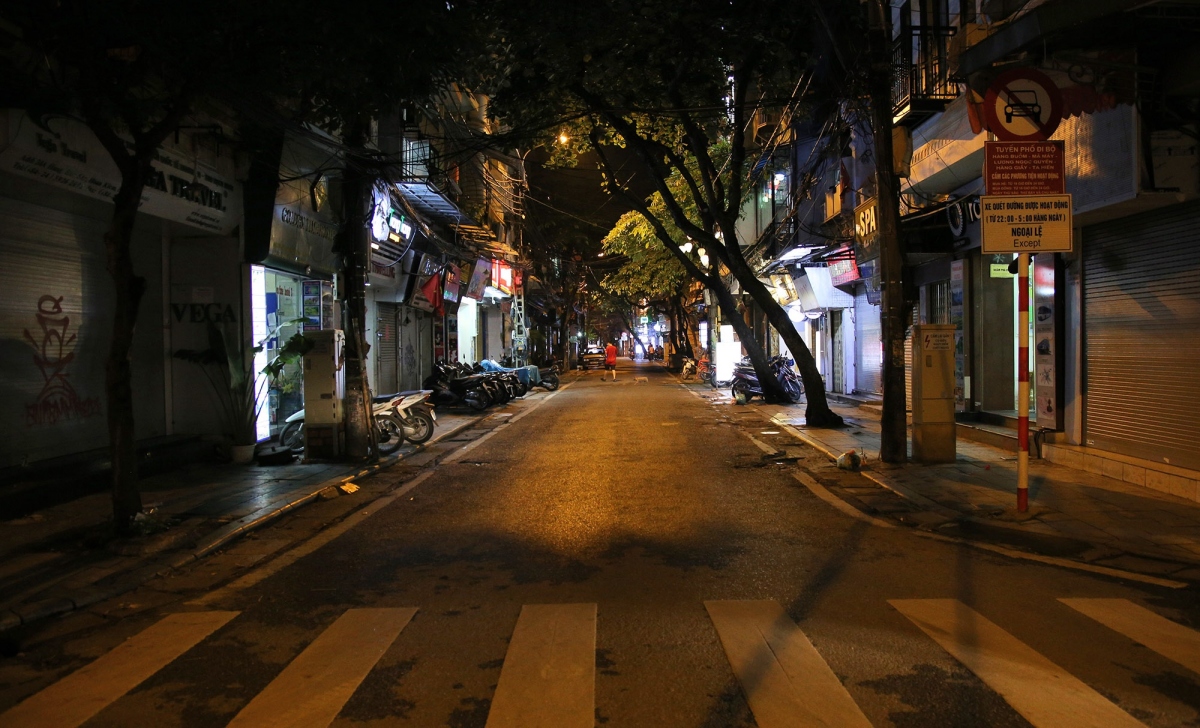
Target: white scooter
[[415, 413], [389, 429]]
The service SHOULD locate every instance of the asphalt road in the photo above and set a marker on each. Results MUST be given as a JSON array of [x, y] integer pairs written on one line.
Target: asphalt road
[[620, 555]]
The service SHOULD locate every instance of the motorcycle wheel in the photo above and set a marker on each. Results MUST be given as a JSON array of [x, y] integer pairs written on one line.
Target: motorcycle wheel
[[418, 428], [292, 436], [550, 382], [477, 399], [389, 433]]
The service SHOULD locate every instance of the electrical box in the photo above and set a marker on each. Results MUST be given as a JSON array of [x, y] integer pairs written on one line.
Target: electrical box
[[324, 394], [933, 394]]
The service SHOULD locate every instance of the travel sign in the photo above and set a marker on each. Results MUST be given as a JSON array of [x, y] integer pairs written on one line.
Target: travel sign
[[1026, 224]]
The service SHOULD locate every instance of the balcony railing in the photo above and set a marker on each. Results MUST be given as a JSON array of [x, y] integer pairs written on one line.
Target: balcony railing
[[921, 82]]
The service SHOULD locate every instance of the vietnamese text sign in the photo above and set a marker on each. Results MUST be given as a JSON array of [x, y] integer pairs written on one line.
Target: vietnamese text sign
[[66, 154], [1027, 224], [1024, 168]]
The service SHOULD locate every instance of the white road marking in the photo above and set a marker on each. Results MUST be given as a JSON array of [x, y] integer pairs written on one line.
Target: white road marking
[[823, 493], [549, 674], [312, 689], [1172, 641], [1042, 692], [786, 681], [90, 689]]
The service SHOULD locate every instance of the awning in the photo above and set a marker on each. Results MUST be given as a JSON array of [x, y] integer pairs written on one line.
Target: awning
[[817, 292]]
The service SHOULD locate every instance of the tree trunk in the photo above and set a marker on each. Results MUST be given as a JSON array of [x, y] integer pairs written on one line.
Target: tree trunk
[[353, 247], [894, 429], [817, 413], [772, 389], [118, 380]]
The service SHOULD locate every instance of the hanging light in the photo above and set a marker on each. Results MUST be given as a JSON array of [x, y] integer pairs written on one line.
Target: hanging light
[[686, 247]]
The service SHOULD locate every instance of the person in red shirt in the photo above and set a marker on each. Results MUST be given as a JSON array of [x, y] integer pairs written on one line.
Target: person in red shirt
[[610, 359]]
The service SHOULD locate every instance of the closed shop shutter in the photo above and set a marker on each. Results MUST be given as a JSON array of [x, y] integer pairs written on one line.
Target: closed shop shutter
[[386, 348], [1142, 335], [55, 325], [868, 364]]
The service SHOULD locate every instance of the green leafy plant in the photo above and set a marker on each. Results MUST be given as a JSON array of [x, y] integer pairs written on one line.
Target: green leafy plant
[[229, 369]]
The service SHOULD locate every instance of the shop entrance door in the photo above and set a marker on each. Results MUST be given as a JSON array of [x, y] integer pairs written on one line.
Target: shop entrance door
[[385, 360]]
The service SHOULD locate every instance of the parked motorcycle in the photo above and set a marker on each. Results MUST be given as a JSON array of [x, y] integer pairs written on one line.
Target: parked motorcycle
[[389, 430], [746, 385], [548, 378], [451, 387], [415, 413]]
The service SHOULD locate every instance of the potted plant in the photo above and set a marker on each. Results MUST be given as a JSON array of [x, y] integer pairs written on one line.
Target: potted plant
[[240, 395]]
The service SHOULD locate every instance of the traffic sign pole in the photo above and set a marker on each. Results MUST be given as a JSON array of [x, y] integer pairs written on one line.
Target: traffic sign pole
[[1023, 383]]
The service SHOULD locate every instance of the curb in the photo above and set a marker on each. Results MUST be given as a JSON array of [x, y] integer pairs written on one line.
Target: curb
[[28, 613]]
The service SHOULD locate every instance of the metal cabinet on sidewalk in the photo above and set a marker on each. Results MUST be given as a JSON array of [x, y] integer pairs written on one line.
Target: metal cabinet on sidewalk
[[324, 394], [933, 393]]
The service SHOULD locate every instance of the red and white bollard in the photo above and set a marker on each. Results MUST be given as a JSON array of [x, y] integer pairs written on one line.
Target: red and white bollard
[[1023, 382]]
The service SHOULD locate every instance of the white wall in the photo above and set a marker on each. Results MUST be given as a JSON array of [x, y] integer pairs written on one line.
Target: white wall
[[468, 329]]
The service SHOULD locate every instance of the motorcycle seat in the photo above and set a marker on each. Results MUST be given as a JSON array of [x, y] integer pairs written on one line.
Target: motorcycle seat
[[385, 397]]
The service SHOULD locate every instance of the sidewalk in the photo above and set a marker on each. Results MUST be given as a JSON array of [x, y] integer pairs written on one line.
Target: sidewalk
[[1118, 524], [61, 558]]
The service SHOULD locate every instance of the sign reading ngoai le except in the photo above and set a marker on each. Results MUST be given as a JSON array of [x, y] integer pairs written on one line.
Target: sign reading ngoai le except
[[1026, 224]]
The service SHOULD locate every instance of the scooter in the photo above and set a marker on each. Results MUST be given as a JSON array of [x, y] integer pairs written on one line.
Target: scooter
[[389, 430], [548, 378], [415, 413], [746, 385], [449, 388]]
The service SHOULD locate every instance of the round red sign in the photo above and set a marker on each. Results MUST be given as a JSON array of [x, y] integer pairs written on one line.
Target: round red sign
[[1022, 105]]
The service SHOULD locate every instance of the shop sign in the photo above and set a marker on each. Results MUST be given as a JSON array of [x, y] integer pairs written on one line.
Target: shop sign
[[1026, 224], [1022, 105], [1045, 334], [502, 276], [316, 301], [1024, 168], [960, 215], [66, 154], [453, 277], [866, 231], [479, 279], [842, 272]]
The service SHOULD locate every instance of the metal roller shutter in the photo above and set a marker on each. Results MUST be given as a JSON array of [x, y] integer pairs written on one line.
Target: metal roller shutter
[[1142, 335], [386, 348], [868, 351]]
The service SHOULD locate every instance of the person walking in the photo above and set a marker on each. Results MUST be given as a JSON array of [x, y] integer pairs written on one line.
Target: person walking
[[610, 359]]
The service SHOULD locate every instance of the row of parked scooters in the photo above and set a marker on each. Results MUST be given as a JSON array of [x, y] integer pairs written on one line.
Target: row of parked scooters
[[411, 416], [486, 383]]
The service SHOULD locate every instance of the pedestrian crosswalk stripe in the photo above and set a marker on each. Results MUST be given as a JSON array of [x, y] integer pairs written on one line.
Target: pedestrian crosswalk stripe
[[1042, 692], [785, 680], [90, 689], [312, 689], [549, 674], [1171, 640]]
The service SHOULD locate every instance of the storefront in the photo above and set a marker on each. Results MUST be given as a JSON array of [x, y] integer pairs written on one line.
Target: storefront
[[292, 271], [56, 189]]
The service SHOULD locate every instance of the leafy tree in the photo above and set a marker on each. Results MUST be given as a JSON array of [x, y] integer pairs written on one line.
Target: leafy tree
[[676, 85], [649, 273]]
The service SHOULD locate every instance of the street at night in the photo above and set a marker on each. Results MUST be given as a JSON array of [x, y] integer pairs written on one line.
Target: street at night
[[535, 364], [621, 553]]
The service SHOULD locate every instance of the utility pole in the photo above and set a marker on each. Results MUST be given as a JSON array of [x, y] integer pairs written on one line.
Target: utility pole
[[894, 427], [1023, 382], [353, 247]]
